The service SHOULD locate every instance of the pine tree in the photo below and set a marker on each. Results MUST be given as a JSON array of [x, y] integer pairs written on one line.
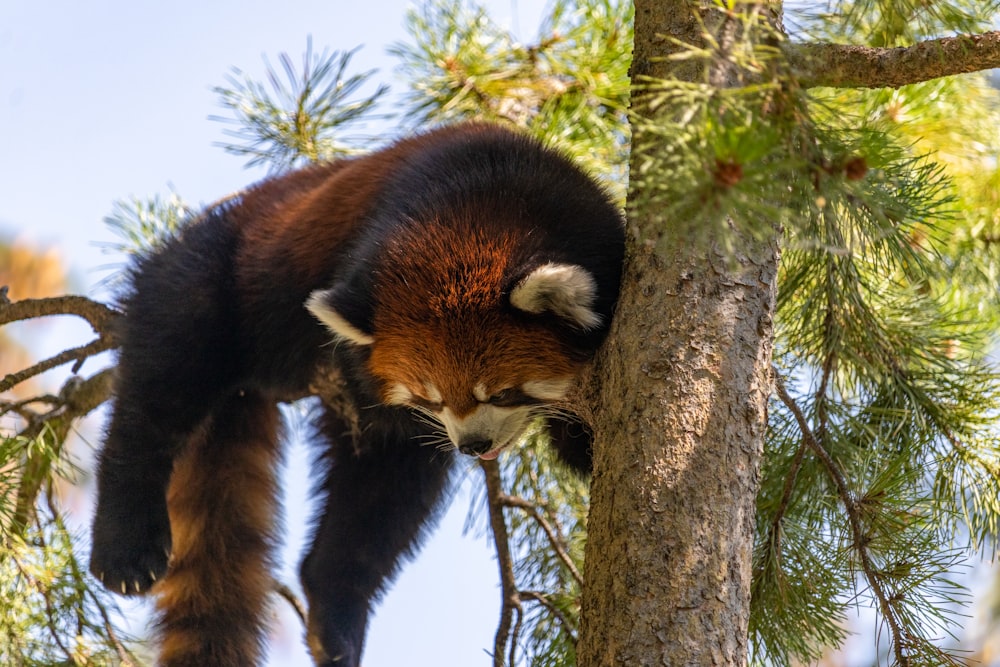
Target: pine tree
[[796, 410], [883, 394]]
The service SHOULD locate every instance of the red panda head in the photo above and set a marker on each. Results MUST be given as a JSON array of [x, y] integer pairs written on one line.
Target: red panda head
[[480, 351]]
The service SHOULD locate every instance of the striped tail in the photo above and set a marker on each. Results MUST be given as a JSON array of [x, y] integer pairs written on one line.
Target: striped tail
[[224, 507]]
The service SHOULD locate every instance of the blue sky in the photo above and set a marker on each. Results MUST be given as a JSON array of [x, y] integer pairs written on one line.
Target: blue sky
[[108, 99]]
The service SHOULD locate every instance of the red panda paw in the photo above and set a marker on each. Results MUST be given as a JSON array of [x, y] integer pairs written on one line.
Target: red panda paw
[[335, 639], [335, 652], [131, 546]]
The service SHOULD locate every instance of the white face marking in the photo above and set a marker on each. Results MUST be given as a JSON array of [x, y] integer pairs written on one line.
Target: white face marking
[[553, 389], [433, 393], [341, 328], [398, 394], [479, 391], [501, 426]]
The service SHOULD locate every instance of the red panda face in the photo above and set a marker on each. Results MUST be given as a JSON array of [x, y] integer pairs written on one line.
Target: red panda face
[[464, 357], [484, 388]]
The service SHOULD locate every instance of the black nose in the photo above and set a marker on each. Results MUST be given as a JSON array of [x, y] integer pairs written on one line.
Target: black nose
[[476, 447]]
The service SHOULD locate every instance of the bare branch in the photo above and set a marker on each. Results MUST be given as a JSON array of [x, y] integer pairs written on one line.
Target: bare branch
[[77, 398], [100, 317], [848, 66], [508, 583], [76, 354], [21, 407], [292, 599], [97, 314]]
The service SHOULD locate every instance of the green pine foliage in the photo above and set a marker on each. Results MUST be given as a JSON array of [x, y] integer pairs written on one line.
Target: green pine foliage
[[568, 87], [299, 116], [141, 224], [881, 472], [881, 476], [895, 22], [51, 612]]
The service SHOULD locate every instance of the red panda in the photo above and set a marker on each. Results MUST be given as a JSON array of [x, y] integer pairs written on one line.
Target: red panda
[[460, 280]]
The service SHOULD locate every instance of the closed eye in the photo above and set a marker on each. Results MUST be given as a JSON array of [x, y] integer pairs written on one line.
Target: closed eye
[[512, 398]]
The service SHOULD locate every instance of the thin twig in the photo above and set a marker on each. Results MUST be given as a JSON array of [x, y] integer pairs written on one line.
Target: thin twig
[[774, 532], [568, 627], [124, 655], [77, 354], [18, 407], [515, 634], [532, 510], [284, 591]]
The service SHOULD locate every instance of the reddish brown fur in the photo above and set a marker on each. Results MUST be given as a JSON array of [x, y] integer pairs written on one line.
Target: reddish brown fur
[[222, 499], [459, 333], [308, 218]]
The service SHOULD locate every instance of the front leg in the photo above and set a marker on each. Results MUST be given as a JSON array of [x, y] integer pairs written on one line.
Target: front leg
[[178, 358], [383, 493]]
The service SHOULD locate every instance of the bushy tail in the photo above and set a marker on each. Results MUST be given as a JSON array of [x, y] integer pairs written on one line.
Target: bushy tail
[[223, 503]]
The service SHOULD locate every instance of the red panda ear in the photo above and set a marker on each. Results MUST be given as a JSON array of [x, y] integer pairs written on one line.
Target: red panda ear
[[341, 317], [566, 290]]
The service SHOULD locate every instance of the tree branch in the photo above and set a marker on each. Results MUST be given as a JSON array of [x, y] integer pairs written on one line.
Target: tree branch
[[886, 603], [849, 66], [557, 614], [508, 583], [77, 354], [97, 314], [100, 317], [557, 546], [76, 399]]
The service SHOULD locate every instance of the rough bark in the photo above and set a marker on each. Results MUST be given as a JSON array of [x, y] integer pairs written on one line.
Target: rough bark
[[851, 66], [678, 432]]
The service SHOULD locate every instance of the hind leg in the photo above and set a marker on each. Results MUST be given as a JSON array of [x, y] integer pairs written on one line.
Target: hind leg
[[382, 492]]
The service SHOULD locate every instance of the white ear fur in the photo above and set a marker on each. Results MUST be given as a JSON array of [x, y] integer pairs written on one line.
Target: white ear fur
[[567, 290], [318, 305]]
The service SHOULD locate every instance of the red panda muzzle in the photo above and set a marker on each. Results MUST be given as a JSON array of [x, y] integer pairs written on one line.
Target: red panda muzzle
[[476, 447]]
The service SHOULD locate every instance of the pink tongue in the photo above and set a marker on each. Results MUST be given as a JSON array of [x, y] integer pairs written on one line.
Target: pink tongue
[[490, 455]]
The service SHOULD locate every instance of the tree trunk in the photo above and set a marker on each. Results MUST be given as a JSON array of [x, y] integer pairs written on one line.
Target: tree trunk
[[679, 428]]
